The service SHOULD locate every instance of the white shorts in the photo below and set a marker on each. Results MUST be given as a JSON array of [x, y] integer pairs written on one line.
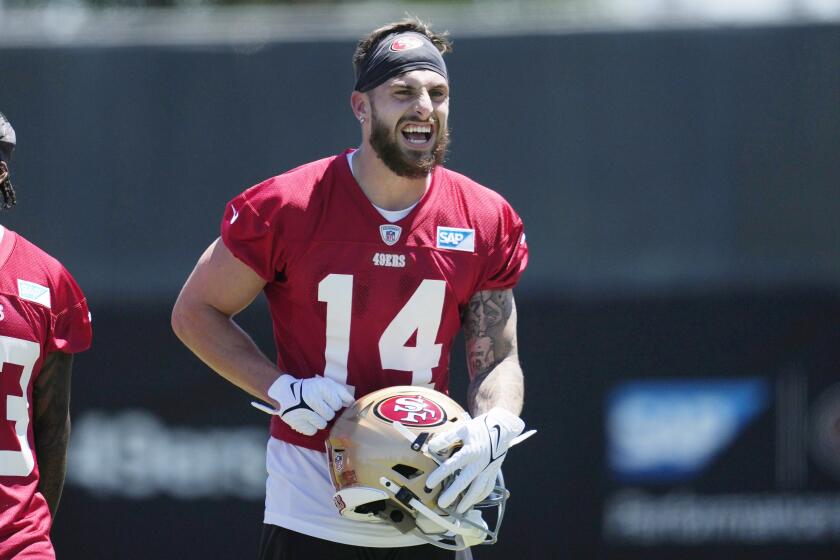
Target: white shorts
[[299, 497]]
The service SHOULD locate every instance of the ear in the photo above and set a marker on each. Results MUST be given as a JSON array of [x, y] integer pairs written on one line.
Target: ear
[[360, 104]]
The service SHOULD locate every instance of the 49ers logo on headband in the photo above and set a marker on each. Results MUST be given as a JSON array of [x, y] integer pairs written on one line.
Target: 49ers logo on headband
[[405, 43], [411, 410]]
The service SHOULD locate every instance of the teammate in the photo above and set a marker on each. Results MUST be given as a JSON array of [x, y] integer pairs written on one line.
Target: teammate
[[371, 261], [44, 320]]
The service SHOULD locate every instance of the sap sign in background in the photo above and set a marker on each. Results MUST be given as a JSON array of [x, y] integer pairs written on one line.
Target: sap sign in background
[[667, 431]]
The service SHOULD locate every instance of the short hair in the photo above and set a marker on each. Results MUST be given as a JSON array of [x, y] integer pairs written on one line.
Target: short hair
[[368, 44]]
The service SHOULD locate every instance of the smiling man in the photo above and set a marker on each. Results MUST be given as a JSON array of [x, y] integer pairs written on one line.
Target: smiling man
[[371, 262]]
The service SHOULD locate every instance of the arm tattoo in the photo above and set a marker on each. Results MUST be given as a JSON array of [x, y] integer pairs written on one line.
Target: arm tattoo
[[492, 361], [484, 325], [51, 423]]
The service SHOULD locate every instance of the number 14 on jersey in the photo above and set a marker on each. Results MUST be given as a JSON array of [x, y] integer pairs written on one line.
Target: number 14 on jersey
[[421, 314]]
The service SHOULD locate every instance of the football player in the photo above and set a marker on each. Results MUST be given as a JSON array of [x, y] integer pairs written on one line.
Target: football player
[[44, 320], [371, 261]]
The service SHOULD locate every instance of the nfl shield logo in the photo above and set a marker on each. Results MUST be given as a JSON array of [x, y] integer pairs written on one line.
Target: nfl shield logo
[[390, 233]]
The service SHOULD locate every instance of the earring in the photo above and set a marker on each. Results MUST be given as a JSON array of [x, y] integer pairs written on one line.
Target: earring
[[362, 119]]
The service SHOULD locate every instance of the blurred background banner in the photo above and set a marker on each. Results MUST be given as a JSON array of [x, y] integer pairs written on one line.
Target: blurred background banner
[[677, 169]]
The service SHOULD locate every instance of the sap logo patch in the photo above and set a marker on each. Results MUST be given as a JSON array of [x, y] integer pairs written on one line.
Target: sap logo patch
[[456, 239], [668, 431], [33, 292]]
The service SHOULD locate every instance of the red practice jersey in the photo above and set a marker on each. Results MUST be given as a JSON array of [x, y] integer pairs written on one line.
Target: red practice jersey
[[42, 310], [366, 302]]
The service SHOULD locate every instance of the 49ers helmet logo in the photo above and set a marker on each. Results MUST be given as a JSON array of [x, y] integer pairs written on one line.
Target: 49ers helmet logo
[[411, 410], [405, 43]]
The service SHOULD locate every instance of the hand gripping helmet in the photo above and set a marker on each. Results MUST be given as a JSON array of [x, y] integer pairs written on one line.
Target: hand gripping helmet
[[379, 463]]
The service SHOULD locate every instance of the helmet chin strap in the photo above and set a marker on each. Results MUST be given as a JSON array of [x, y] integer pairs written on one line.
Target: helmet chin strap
[[465, 531], [458, 541]]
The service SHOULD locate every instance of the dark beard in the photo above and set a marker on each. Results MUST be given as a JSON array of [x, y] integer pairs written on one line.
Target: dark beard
[[412, 165]]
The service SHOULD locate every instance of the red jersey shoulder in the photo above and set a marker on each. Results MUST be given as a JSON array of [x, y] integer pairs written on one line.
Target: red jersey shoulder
[[29, 263], [260, 223], [486, 211], [295, 190], [34, 276], [477, 193]]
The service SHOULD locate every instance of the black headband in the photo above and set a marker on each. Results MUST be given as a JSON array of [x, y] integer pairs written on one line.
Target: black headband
[[396, 54]]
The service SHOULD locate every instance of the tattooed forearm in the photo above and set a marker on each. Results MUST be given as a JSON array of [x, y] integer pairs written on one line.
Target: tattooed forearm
[[492, 360], [52, 425], [485, 322]]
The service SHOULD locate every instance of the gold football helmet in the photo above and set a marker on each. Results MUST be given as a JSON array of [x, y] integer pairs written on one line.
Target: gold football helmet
[[379, 463]]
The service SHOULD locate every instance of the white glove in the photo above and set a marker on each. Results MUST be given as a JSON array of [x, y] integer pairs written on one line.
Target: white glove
[[485, 439], [307, 404]]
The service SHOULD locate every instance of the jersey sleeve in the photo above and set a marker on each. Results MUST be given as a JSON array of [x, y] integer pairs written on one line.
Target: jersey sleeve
[[248, 230], [509, 256], [71, 331]]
